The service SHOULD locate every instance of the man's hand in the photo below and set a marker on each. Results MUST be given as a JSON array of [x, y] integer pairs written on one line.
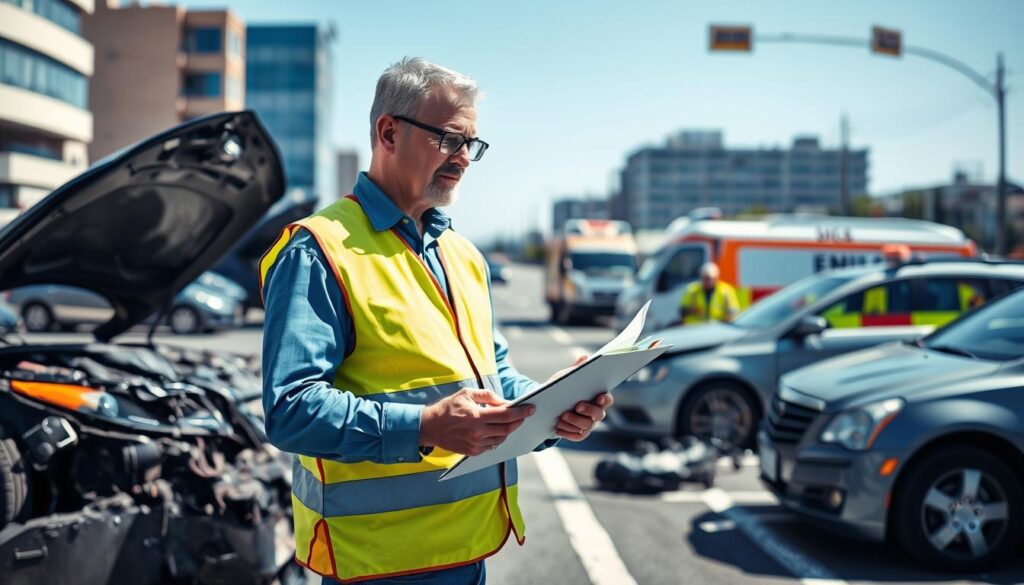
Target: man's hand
[[576, 424], [470, 422]]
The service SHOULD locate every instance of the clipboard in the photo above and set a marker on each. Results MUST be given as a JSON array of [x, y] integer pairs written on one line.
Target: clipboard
[[601, 373]]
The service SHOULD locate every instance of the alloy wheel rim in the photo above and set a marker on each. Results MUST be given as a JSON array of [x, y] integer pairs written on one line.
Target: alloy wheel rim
[[36, 318], [184, 320], [721, 414], [964, 514]]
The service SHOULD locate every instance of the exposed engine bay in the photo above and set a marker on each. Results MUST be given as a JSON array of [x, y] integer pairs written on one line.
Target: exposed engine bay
[[154, 456]]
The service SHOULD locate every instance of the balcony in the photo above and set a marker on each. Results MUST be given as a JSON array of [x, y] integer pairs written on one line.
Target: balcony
[[43, 113], [25, 169]]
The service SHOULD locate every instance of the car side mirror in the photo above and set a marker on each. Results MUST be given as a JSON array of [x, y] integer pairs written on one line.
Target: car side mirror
[[810, 325]]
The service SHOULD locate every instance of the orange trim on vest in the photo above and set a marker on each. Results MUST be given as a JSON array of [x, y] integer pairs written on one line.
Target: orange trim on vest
[[321, 557], [521, 539]]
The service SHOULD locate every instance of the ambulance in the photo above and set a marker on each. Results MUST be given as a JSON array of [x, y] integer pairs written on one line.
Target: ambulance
[[588, 267], [760, 257]]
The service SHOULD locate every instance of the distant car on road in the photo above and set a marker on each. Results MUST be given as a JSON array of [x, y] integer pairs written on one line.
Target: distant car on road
[[498, 270], [719, 378], [919, 442], [209, 303]]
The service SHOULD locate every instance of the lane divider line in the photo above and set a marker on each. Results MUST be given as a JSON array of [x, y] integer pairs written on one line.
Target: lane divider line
[[802, 566], [589, 539], [560, 335], [696, 497]]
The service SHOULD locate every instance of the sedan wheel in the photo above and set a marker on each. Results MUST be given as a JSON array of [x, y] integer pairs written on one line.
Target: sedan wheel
[[721, 411], [960, 510], [185, 320], [37, 317]]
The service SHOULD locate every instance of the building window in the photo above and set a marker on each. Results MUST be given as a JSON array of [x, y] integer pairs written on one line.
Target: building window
[[29, 70], [58, 12], [203, 39], [202, 85]]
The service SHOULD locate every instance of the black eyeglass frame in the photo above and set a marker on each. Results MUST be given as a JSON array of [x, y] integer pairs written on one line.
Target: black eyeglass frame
[[444, 134]]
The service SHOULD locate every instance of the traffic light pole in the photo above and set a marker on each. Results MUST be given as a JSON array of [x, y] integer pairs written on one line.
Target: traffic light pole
[[996, 90]]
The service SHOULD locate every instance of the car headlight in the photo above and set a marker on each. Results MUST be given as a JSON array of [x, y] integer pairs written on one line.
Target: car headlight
[[212, 301], [857, 428], [651, 373]]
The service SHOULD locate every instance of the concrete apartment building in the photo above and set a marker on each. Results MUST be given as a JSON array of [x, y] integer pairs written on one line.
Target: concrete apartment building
[[695, 169], [577, 208], [45, 124], [159, 65]]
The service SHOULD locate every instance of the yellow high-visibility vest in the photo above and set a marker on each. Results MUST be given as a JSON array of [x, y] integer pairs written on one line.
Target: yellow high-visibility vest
[[356, 521], [723, 303]]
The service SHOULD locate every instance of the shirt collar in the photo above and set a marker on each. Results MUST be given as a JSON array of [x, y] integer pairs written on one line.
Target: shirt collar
[[384, 214]]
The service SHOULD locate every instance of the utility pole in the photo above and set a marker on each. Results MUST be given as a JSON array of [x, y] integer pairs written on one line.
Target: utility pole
[[844, 174], [1002, 226]]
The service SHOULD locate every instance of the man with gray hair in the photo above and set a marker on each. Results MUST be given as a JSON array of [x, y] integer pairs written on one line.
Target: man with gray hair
[[382, 359]]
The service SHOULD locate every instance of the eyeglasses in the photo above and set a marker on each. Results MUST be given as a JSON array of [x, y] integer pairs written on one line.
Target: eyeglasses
[[452, 142]]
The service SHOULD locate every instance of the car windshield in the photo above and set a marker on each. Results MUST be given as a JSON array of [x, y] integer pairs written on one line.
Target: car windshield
[[994, 332], [777, 307], [603, 263], [647, 269]]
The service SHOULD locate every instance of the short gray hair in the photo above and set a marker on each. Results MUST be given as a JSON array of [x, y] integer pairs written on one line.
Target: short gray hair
[[403, 86], [710, 269]]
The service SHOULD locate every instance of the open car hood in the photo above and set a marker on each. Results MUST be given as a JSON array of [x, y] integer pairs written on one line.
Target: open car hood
[[138, 226]]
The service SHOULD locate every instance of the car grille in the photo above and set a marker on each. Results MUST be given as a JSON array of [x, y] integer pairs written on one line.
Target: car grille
[[606, 297], [787, 422]]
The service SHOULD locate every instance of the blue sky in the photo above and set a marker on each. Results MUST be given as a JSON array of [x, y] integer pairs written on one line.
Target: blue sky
[[572, 87]]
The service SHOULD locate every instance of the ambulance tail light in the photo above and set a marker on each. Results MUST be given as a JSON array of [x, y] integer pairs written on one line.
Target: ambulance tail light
[[895, 254]]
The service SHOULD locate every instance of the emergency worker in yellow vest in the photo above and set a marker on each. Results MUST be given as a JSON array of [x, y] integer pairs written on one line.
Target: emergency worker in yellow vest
[[382, 362], [708, 299]]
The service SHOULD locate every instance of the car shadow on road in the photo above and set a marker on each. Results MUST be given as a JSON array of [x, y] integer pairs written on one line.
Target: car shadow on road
[[600, 442], [848, 559]]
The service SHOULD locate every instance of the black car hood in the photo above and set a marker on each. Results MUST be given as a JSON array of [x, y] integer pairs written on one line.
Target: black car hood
[[138, 226], [886, 371]]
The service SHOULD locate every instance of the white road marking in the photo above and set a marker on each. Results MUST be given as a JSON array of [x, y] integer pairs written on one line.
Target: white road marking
[[560, 335], [809, 571], [589, 539], [745, 461], [685, 497]]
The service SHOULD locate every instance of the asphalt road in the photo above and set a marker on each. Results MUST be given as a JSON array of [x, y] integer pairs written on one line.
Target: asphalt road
[[578, 535]]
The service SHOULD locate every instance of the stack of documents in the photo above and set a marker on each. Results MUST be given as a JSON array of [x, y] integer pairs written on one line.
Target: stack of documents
[[619, 359]]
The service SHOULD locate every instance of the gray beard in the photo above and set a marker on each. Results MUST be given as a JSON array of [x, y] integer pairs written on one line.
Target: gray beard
[[439, 196]]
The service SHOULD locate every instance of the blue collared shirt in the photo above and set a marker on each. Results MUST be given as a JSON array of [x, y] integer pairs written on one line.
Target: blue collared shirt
[[306, 334]]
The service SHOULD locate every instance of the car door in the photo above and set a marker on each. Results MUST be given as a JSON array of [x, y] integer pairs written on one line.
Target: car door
[[871, 316], [680, 269]]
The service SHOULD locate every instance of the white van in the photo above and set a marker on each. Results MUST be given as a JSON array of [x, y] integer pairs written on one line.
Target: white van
[[759, 257]]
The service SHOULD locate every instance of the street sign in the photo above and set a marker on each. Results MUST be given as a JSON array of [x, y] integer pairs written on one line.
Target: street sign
[[886, 41], [731, 38]]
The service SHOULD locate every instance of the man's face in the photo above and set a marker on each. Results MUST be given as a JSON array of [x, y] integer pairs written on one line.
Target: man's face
[[708, 280], [425, 169]]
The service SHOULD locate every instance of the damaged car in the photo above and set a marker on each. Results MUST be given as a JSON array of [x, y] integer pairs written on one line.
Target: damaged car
[[141, 463]]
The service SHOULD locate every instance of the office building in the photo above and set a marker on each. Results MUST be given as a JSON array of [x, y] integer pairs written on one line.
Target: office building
[[695, 169], [45, 124], [288, 83]]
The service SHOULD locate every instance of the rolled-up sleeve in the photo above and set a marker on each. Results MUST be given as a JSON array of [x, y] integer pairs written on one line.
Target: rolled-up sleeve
[[305, 337]]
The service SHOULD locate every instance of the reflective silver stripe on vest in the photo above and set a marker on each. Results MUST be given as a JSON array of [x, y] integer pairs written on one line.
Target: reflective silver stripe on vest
[[431, 394], [390, 494]]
